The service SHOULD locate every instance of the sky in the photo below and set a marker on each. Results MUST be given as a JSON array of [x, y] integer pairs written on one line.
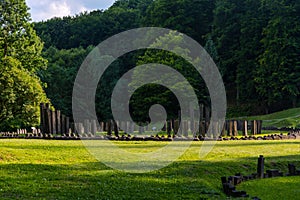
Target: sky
[[46, 9]]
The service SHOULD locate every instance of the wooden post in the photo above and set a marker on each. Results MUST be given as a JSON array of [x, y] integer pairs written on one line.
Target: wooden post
[[53, 122], [196, 125], [80, 128], [63, 128], [140, 129], [42, 117], [201, 122], [176, 127], [260, 166], [254, 127], [216, 132], [169, 127], [109, 127], [245, 128], [192, 118], [230, 128], [223, 133], [102, 127], [116, 128], [131, 127], [207, 118], [67, 125], [127, 127], [93, 127], [235, 128], [49, 121], [173, 126], [58, 122], [86, 126], [124, 126], [259, 126], [185, 128]]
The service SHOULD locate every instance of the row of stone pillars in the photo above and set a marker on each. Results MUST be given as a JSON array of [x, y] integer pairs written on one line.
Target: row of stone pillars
[[52, 121]]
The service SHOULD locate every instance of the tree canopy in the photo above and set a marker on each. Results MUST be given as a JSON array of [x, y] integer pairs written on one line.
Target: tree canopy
[[21, 90], [255, 44]]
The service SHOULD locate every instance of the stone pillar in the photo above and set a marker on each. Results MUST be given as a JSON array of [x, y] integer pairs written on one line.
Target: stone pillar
[[58, 122], [42, 117], [116, 128], [260, 166], [176, 127], [254, 127], [245, 128], [224, 128], [235, 128], [185, 128], [230, 128], [67, 125], [109, 128], [169, 127], [63, 124]]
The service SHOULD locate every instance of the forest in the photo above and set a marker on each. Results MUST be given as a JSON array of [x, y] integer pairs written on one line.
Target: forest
[[255, 44]]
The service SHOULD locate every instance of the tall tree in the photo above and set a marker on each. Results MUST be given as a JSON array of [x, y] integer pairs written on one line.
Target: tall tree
[[277, 76], [18, 39], [20, 57]]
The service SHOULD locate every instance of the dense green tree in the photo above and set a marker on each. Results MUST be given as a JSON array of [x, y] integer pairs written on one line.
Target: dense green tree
[[20, 57], [60, 75], [92, 28], [151, 94], [20, 96], [17, 36], [248, 35], [193, 18], [226, 33], [254, 43], [277, 76]]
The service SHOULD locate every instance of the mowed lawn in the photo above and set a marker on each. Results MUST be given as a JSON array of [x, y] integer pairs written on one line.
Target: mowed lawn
[[41, 169]]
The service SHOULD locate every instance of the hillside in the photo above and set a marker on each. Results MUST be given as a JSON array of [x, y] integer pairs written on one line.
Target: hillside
[[286, 118], [254, 43]]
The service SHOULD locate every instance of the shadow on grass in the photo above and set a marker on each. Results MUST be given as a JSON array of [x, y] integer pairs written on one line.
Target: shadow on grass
[[93, 180]]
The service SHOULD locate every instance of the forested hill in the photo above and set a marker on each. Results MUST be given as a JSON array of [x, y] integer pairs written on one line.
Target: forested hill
[[255, 44]]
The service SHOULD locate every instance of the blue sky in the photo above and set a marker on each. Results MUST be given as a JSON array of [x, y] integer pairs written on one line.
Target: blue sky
[[46, 9]]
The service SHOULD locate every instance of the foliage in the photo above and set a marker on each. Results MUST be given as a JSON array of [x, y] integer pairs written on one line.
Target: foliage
[[254, 43], [278, 73], [193, 18], [258, 48], [20, 57], [156, 94], [17, 36], [92, 28], [21, 95], [60, 75]]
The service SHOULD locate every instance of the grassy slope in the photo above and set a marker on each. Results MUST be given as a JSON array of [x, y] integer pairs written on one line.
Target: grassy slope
[[274, 188], [286, 118], [38, 169]]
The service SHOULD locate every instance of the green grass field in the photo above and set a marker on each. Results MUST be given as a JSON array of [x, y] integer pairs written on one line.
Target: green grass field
[[286, 118], [39, 169], [274, 188]]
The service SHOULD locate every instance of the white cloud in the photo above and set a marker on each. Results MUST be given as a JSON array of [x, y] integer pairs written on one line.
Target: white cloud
[[46, 9]]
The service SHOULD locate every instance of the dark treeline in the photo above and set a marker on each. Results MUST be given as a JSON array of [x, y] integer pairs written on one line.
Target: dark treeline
[[255, 44]]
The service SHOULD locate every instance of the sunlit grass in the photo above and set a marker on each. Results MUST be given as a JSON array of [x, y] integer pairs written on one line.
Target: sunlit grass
[[40, 169], [286, 118], [273, 188]]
